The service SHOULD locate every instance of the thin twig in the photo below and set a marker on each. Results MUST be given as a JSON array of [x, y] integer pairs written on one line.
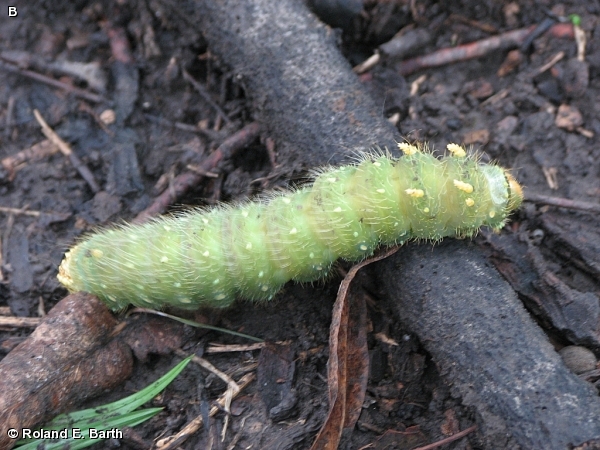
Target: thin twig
[[222, 348], [201, 171], [205, 95], [555, 59], [185, 181], [476, 49], [6, 235], [10, 110], [172, 442], [563, 202], [66, 150], [19, 322], [55, 83], [35, 152], [447, 440], [211, 134], [19, 211], [1, 265], [208, 366]]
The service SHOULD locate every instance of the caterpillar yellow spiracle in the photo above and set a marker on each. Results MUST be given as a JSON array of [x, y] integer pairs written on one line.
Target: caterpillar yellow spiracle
[[209, 257]]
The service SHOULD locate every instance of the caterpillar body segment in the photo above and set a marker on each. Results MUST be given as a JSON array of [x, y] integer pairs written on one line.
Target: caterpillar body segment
[[250, 250]]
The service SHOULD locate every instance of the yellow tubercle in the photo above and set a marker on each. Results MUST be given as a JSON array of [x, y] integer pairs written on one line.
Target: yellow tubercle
[[465, 187], [416, 193], [408, 149], [456, 150]]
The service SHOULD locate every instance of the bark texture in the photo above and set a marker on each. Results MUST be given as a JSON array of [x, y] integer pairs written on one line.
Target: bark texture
[[488, 347], [303, 89], [69, 357]]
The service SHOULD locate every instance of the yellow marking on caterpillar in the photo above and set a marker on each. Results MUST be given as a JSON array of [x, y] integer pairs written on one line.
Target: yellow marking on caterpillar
[[164, 259], [416, 193], [465, 187], [456, 150], [408, 149], [96, 253], [470, 201]]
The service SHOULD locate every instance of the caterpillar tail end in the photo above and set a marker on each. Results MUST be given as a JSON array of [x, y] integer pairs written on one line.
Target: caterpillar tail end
[[64, 276]]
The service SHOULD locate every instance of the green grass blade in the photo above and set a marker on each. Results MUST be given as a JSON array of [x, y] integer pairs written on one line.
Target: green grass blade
[[122, 406], [84, 440], [106, 417]]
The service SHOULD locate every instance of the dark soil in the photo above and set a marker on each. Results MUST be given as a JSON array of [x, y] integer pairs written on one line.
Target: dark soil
[[513, 119]]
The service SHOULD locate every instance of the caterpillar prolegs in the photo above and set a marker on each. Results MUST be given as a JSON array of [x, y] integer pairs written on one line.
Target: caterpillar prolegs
[[250, 250]]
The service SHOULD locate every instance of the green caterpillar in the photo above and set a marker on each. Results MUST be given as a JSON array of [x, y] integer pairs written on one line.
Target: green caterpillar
[[250, 250]]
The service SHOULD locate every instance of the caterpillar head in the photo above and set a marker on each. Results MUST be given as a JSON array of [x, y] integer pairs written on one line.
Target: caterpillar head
[[515, 192], [491, 192], [505, 193]]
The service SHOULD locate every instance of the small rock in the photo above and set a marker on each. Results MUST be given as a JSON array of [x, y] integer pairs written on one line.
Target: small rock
[[480, 89], [568, 117], [480, 137], [578, 359]]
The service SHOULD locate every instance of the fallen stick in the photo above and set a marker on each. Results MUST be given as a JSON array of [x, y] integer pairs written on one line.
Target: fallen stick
[[487, 346], [477, 49], [69, 357], [188, 180], [563, 202], [82, 93], [302, 88], [65, 149], [36, 152]]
